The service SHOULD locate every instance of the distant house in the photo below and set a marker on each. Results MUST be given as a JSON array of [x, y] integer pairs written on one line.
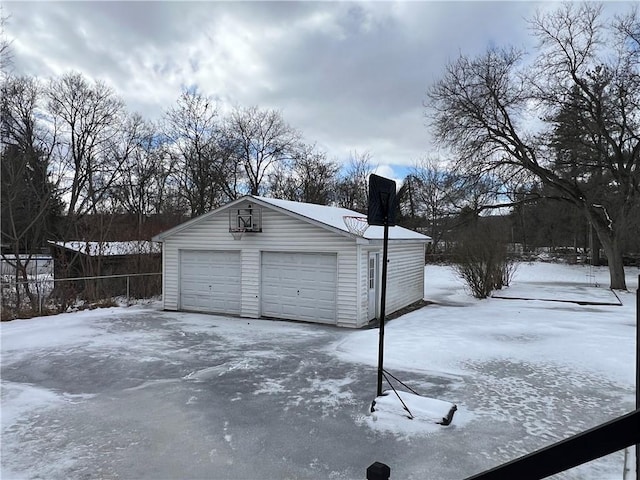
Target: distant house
[[261, 257], [16, 269], [37, 265]]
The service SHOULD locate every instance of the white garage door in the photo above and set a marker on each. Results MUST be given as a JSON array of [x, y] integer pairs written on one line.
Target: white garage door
[[210, 281], [299, 286]]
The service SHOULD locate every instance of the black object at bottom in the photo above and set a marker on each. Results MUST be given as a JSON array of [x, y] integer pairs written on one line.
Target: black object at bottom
[[378, 471]]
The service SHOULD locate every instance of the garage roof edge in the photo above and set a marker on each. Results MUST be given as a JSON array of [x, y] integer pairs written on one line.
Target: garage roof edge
[[201, 218], [282, 206]]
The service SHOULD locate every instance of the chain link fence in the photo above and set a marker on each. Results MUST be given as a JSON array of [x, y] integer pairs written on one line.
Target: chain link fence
[[44, 295]]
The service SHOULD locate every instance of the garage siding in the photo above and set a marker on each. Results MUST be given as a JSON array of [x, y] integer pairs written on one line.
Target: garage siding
[[280, 232], [405, 275]]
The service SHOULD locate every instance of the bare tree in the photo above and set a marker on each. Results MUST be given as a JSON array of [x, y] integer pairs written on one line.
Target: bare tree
[[96, 138], [260, 140], [6, 56], [352, 190], [484, 107], [89, 117], [433, 194], [144, 188], [205, 170], [309, 177], [30, 201]]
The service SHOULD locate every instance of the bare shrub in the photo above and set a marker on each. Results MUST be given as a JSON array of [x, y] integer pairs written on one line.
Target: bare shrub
[[481, 259], [509, 268]]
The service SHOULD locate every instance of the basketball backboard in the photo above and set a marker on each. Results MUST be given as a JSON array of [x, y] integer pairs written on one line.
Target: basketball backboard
[[382, 201]]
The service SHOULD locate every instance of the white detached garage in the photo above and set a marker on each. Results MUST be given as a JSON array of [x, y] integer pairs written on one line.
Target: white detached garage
[[262, 257]]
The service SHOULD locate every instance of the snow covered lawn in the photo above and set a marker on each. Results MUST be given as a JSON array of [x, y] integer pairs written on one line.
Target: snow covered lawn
[[141, 393]]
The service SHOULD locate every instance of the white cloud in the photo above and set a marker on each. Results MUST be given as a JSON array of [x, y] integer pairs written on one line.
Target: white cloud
[[350, 76]]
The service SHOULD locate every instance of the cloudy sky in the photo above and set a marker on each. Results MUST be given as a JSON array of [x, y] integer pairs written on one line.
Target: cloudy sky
[[350, 76]]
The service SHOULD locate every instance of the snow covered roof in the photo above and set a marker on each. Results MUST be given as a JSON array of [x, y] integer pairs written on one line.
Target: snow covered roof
[[110, 248], [327, 216], [334, 217]]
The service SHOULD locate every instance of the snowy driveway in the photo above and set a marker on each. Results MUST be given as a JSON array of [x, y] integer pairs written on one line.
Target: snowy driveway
[[139, 393], [130, 393]]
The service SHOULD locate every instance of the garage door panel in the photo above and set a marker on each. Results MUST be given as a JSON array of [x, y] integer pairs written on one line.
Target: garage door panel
[[324, 297], [194, 302], [210, 281], [299, 286]]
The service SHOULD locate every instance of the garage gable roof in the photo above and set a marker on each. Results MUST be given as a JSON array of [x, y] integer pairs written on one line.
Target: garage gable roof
[[321, 215], [333, 217]]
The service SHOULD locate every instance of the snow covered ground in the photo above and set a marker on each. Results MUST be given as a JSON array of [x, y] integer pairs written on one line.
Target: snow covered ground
[[141, 393]]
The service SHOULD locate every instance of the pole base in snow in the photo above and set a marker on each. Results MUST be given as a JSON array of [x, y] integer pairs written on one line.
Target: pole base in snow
[[415, 407]]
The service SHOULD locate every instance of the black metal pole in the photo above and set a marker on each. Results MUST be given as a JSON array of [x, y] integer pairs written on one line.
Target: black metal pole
[[383, 301], [638, 371], [610, 437]]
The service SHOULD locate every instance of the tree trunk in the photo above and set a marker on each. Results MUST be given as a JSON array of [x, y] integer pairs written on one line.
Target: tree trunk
[[595, 248], [611, 248], [23, 281], [33, 298], [523, 226], [18, 294]]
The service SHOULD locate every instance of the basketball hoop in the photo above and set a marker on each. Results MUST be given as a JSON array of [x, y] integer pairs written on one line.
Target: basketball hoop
[[237, 233], [356, 225]]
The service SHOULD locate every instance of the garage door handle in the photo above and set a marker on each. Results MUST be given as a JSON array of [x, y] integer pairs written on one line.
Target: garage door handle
[[298, 292]]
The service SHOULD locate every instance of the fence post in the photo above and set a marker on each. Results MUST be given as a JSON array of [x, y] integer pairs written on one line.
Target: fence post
[[128, 296], [378, 471]]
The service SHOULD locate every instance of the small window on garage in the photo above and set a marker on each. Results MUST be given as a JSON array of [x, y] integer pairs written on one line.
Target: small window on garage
[[372, 272]]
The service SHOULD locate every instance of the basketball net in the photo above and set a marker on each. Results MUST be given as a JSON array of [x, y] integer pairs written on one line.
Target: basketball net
[[356, 225], [237, 233]]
